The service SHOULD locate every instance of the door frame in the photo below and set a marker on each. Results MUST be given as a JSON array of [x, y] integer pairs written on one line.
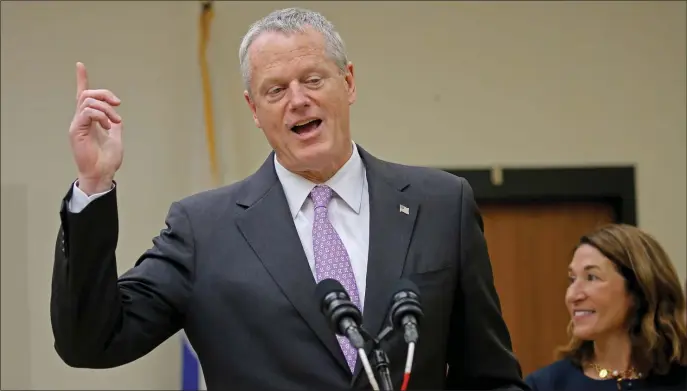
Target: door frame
[[613, 185]]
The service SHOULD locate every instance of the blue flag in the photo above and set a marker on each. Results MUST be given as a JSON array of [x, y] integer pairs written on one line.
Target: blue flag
[[191, 372]]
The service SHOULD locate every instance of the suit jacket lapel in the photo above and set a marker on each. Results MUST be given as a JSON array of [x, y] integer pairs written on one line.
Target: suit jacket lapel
[[268, 228], [392, 219]]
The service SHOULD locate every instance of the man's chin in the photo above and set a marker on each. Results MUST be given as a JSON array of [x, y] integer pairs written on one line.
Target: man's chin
[[317, 157], [314, 155]]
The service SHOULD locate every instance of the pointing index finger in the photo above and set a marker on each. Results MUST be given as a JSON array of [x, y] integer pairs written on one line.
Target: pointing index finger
[[81, 79]]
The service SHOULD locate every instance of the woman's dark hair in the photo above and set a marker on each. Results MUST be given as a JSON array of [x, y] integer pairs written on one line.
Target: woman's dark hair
[[656, 322]]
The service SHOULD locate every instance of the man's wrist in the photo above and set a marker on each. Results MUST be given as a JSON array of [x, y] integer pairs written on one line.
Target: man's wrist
[[90, 187]]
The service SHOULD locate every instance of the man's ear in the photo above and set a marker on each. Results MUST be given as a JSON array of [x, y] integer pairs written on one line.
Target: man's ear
[[252, 107], [350, 83]]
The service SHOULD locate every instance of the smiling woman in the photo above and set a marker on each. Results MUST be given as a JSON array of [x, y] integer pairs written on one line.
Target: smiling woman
[[627, 313]]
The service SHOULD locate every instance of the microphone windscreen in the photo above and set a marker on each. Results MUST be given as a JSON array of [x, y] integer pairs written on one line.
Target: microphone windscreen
[[326, 287], [404, 285]]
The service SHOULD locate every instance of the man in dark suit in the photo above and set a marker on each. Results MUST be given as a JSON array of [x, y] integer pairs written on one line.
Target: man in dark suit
[[236, 267]]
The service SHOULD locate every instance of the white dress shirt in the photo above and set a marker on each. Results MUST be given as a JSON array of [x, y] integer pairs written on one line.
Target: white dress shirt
[[349, 211]]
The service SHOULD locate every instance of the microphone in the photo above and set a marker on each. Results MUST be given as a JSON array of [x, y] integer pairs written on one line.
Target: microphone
[[344, 318], [406, 309], [405, 313]]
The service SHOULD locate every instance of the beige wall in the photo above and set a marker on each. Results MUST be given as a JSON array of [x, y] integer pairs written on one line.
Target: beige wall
[[16, 336], [533, 84]]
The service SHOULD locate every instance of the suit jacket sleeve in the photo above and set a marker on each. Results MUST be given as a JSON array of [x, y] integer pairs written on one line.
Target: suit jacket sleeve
[[100, 320], [480, 352]]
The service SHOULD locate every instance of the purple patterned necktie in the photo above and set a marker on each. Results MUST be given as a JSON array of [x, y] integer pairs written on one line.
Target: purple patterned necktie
[[331, 258]]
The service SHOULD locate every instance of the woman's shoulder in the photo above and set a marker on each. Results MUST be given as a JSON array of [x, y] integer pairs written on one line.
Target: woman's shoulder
[[561, 374]]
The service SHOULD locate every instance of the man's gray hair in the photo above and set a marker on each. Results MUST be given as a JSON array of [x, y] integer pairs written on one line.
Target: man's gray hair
[[289, 21]]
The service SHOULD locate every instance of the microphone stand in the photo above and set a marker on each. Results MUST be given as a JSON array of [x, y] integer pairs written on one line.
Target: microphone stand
[[381, 363], [379, 358]]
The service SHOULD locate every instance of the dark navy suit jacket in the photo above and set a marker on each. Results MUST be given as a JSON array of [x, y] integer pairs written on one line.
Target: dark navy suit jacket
[[230, 270]]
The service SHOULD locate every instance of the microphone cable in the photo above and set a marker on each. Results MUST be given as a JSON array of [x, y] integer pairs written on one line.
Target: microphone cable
[[368, 369], [409, 365]]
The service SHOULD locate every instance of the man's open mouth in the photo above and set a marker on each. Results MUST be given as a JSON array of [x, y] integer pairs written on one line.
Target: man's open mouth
[[306, 126]]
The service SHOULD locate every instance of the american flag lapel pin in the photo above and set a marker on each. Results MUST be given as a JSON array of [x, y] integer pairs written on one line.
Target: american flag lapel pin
[[404, 209]]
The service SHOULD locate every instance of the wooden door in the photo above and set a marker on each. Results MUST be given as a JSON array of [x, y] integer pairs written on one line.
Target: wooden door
[[531, 246]]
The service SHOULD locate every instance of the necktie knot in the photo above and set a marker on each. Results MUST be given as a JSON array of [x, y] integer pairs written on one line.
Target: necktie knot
[[321, 195]]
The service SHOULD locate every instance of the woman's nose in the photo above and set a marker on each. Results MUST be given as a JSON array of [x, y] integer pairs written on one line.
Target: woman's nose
[[575, 293]]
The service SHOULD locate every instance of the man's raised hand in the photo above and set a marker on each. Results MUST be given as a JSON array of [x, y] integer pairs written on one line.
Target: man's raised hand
[[95, 135]]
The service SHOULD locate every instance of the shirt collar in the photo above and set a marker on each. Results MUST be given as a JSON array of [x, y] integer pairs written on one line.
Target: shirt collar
[[347, 183]]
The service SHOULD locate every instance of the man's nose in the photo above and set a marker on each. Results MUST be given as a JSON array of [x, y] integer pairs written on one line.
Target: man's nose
[[299, 98]]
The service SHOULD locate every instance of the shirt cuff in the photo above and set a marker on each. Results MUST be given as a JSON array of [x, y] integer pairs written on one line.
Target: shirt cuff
[[79, 200]]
